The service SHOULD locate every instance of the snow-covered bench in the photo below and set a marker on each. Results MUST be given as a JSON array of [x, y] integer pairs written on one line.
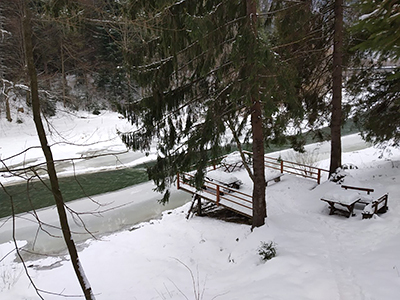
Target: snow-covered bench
[[274, 176], [350, 187], [376, 206], [373, 205]]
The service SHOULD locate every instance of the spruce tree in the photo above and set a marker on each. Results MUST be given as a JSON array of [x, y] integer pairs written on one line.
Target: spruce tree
[[376, 86], [205, 66]]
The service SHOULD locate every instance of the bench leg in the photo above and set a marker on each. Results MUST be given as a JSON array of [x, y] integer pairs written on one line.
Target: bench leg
[[332, 209], [351, 209]]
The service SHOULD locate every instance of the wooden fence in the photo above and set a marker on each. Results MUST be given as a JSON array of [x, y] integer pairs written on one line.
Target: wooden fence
[[236, 200], [220, 194], [294, 168]]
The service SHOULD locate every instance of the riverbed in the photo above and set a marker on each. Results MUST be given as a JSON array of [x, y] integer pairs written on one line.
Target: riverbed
[[120, 210]]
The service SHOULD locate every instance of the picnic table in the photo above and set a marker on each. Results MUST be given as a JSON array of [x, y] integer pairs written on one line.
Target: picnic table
[[349, 195], [221, 177], [232, 162], [341, 201]]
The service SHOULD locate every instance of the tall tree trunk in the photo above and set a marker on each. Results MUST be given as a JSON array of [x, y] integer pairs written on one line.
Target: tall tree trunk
[[27, 30], [259, 201], [8, 110], [336, 118], [63, 74]]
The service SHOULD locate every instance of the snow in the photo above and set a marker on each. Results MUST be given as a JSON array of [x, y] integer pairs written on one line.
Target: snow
[[232, 158], [80, 135], [319, 256], [342, 196], [222, 177]]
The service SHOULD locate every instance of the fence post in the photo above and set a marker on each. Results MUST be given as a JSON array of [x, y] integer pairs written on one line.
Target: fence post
[[217, 195], [319, 176], [177, 181], [282, 166]]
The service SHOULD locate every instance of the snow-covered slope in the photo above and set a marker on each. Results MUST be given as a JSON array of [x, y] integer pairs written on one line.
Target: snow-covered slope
[[72, 135], [319, 256]]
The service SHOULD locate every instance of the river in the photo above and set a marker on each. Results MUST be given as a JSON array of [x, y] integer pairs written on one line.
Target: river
[[115, 211]]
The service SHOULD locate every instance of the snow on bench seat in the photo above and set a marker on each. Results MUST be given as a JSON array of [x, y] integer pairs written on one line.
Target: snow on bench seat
[[224, 178], [378, 205]]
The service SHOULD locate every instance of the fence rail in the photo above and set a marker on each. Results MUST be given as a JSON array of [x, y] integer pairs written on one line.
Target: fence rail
[[236, 200], [219, 194], [294, 168]]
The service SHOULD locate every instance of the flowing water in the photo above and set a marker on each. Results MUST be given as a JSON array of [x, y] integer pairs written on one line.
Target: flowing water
[[110, 212], [102, 215]]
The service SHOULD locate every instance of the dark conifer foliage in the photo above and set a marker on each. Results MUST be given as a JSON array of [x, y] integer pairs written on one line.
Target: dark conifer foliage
[[302, 34], [376, 86], [202, 68]]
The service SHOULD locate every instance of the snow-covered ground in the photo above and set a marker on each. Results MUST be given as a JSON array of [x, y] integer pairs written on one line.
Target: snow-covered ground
[[73, 135], [319, 256]]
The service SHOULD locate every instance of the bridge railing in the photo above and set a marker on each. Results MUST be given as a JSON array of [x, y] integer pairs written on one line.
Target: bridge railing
[[217, 193]]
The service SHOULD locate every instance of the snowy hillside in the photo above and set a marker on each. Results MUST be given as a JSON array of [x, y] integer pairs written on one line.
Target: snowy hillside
[[319, 256]]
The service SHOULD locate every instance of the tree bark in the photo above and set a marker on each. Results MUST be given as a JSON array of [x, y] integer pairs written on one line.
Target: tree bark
[[259, 186], [8, 110], [63, 74], [336, 117], [27, 31]]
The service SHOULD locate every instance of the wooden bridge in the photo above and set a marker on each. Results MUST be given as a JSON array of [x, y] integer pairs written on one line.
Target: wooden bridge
[[226, 191]]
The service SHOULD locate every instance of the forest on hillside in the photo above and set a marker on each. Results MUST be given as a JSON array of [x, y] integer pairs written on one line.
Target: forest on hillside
[[94, 54], [189, 73]]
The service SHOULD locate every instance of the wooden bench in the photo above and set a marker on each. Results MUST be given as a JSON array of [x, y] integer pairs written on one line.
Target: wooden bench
[[376, 206], [368, 190], [274, 178], [372, 206]]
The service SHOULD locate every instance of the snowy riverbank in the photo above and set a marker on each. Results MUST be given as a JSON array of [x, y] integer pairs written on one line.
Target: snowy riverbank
[[318, 256]]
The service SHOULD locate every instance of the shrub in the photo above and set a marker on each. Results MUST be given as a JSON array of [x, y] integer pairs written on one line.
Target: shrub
[[267, 251], [307, 159]]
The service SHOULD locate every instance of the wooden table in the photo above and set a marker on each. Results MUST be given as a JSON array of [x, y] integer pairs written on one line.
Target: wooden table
[[221, 177], [233, 162], [341, 201]]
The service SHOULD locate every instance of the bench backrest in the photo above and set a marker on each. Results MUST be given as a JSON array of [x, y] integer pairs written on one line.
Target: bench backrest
[[368, 190]]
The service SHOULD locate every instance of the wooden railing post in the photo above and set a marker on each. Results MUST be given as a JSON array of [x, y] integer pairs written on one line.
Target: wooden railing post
[[282, 166], [177, 181], [218, 194], [319, 176]]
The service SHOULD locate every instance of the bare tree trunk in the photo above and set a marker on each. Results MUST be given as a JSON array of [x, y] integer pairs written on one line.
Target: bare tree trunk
[[259, 201], [336, 118], [63, 74], [8, 110], [49, 158]]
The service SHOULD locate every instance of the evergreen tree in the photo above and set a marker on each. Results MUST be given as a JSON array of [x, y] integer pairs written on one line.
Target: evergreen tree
[[302, 36], [376, 86], [205, 67]]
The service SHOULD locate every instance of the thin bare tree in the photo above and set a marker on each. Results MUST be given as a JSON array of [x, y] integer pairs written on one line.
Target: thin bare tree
[[84, 283]]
